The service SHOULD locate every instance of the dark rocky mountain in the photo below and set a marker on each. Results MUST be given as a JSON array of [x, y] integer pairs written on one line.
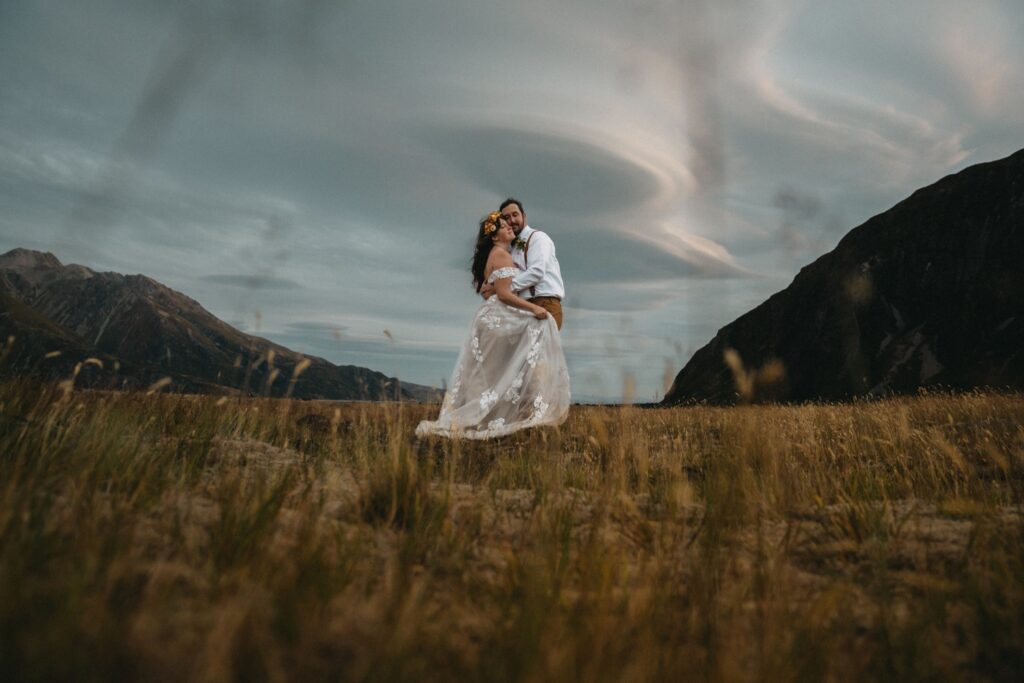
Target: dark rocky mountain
[[929, 293], [54, 317]]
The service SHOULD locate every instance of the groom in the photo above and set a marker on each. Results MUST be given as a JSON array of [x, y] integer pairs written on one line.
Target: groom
[[540, 279]]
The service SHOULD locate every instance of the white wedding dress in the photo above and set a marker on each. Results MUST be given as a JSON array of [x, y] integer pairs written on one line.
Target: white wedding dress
[[510, 375]]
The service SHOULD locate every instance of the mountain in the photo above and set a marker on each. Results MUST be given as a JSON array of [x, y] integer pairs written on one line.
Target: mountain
[[57, 316], [929, 293]]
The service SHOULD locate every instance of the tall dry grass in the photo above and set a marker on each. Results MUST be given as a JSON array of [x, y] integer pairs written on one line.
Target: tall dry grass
[[163, 537]]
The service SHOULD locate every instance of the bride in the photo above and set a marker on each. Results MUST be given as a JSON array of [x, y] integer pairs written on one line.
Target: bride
[[511, 372]]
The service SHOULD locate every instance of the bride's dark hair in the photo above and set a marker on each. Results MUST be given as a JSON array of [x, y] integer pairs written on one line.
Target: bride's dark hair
[[484, 243]]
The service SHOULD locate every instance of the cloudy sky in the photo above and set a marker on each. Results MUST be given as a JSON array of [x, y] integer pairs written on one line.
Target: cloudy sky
[[314, 170]]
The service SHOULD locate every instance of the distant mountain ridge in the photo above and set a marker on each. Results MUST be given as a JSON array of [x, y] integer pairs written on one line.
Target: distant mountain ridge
[[928, 293], [142, 331]]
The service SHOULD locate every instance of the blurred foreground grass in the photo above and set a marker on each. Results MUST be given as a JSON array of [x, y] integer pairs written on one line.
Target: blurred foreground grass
[[161, 537]]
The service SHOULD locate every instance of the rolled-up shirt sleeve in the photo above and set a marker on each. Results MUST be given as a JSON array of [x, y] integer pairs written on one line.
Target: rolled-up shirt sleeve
[[538, 254]]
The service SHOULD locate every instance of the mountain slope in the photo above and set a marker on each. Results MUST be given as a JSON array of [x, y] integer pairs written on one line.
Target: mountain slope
[[928, 293], [143, 331]]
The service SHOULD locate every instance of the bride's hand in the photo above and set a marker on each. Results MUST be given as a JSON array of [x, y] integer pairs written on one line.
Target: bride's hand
[[540, 313]]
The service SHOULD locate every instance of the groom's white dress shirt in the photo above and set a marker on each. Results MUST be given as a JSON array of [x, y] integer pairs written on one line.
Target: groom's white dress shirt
[[540, 274]]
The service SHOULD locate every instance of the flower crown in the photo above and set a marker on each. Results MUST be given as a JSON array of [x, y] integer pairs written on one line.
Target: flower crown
[[491, 222]]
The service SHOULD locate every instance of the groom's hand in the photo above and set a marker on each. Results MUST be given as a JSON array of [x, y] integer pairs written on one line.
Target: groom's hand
[[487, 290]]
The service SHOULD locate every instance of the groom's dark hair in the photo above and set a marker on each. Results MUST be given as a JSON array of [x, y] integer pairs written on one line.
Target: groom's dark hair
[[510, 200]]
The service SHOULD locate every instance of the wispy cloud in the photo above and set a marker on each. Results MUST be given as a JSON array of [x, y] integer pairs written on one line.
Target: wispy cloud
[[985, 57], [253, 281]]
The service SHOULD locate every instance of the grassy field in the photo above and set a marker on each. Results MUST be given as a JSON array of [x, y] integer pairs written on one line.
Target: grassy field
[[161, 537]]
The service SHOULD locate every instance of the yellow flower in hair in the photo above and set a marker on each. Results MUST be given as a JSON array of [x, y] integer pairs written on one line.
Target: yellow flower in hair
[[491, 224]]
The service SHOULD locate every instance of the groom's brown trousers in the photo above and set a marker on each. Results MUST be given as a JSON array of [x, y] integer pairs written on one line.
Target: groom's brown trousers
[[551, 304]]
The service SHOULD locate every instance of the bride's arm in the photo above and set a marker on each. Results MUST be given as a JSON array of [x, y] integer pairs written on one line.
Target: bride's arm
[[500, 258], [507, 296]]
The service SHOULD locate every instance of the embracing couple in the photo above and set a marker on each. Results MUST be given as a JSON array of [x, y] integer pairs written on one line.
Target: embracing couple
[[511, 372]]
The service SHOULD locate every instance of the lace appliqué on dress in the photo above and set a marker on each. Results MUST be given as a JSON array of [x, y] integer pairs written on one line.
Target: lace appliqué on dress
[[452, 394], [502, 273], [488, 399], [512, 393], [531, 356], [540, 408]]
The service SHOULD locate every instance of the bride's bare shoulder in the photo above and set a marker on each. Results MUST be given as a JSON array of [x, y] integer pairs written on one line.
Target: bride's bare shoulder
[[498, 258]]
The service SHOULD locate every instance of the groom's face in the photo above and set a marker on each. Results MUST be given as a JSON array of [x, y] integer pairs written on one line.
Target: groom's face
[[515, 217]]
